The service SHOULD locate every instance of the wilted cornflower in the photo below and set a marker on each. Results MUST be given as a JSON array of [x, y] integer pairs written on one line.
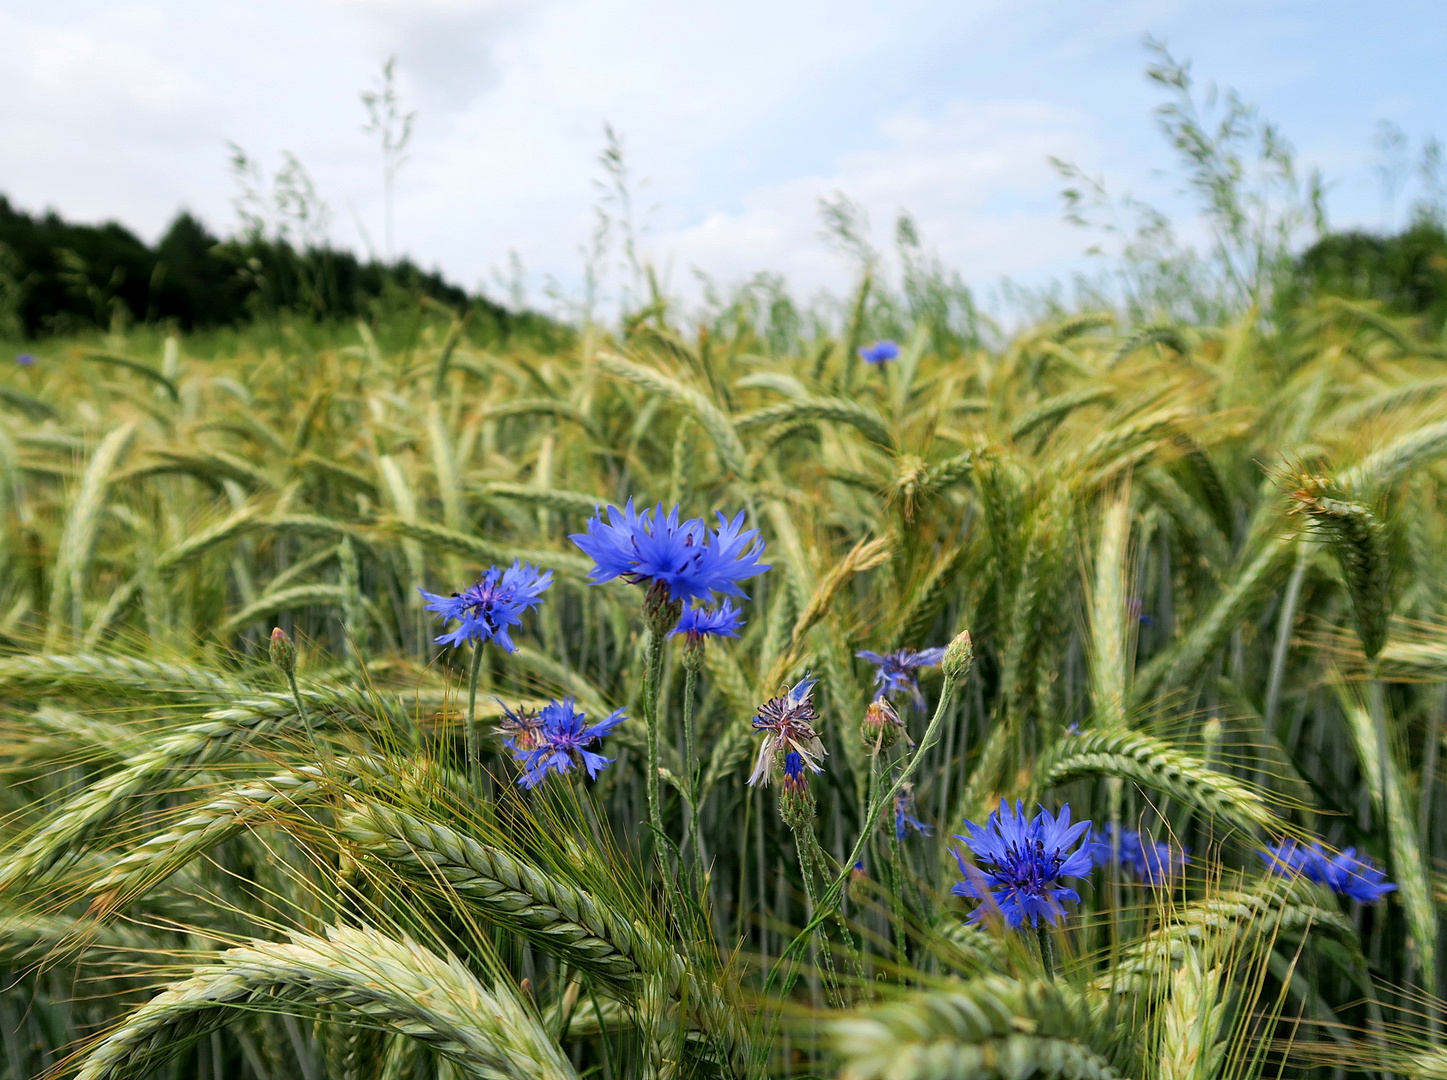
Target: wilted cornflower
[[880, 352], [881, 726], [1020, 864], [1344, 873], [519, 730], [787, 724], [561, 742], [690, 560], [1150, 861], [895, 672], [484, 611], [903, 822]]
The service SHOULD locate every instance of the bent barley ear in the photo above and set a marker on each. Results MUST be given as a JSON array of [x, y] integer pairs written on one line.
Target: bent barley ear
[[1357, 536]]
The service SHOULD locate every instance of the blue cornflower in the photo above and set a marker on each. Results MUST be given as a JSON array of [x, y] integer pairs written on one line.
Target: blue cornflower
[[879, 352], [700, 622], [1019, 865], [903, 822], [895, 672], [1344, 873], [1149, 861], [25, 359], [692, 562], [561, 741], [485, 610], [787, 724]]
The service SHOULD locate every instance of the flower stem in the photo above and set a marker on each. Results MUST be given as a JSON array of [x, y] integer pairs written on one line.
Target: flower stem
[[652, 688], [1047, 948], [474, 756], [690, 763], [300, 708]]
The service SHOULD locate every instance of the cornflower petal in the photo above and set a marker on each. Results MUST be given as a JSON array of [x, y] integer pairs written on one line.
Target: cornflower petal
[[1020, 864]]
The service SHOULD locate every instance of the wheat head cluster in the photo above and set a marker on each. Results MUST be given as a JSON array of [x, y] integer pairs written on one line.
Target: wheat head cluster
[[672, 704]]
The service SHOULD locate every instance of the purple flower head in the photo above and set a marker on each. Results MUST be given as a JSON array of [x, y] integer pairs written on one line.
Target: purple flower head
[[1149, 861], [1345, 873], [25, 359], [519, 730], [1019, 864], [787, 724], [880, 352], [700, 622], [561, 742], [693, 561], [485, 611], [895, 672], [903, 822]]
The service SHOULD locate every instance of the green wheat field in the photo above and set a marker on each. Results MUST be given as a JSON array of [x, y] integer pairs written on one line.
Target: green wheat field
[[1185, 574]]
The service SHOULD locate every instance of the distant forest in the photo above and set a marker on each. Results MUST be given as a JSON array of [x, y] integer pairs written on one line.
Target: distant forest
[[60, 277]]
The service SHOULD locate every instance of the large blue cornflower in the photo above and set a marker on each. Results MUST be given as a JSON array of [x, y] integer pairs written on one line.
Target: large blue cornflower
[[685, 556], [1149, 861], [1019, 864], [880, 352], [787, 724], [699, 622], [895, 672], [561, 741], [903, 822], [484, 611], [1344, 873]]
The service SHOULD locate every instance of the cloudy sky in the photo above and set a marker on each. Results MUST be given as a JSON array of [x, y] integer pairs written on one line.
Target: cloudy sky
[[736, 118]]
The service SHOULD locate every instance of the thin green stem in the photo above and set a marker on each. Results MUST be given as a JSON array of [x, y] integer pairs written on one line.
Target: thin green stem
[[300, 708], [809, 863], [1047, 948], [474, 755], [652, 688], [690, 762]]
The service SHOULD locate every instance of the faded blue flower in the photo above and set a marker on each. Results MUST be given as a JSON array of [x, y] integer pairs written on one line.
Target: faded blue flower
[[485, 611], [1019, 865], [1344, 873], [895, 672], [1149, 861], [693, 561], [903, 822], [787, 724], [880, 352], [25, 359], [699, 622], [561, 742], [519, 730]]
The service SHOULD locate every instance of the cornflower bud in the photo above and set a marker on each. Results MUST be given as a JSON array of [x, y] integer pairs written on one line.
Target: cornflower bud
[[283, 651], [881, 727], [958, 657], [796, 798]]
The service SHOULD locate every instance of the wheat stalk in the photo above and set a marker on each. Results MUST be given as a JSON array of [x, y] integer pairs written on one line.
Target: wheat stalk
[[377, 980]]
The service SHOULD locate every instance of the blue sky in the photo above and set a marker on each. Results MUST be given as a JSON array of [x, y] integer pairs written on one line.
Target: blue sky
[[737, 116]]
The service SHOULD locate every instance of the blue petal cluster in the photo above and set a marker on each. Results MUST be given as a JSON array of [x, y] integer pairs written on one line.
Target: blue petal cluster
[[700, 622], [1345, 873], [1150, 861], [693, 561], [1019, 864], [903, 822], [25, 359], [485, 611], [895, 672], [880, 352], [560, 742]]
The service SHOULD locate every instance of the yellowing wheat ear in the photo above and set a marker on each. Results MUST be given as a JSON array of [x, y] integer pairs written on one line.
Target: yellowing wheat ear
[[373, 980]]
